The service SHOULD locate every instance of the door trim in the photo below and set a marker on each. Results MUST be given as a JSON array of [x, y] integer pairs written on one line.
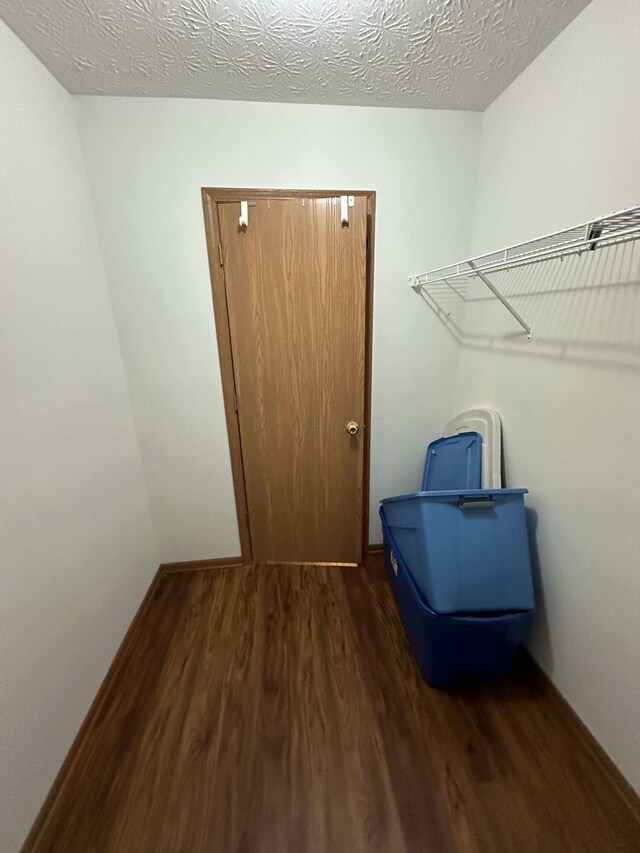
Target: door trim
[[211, 197]]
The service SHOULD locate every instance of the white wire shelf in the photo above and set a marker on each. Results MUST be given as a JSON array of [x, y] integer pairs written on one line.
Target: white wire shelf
[[609, 230]]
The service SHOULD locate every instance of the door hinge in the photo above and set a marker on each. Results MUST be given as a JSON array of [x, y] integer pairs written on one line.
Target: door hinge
[[235, 401], [220, 255]]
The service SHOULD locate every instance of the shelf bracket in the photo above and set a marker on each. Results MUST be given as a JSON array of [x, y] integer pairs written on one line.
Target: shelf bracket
[[502, 299]]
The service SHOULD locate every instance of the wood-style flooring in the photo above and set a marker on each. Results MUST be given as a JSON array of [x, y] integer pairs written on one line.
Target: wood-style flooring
[[278, 710]]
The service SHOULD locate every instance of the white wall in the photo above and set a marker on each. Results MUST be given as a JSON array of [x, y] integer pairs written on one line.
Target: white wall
[[76, 542], [148, 159], [77, 550], [558, 147]]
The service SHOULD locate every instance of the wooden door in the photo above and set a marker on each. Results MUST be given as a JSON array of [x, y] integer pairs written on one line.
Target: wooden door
[[296, 290]]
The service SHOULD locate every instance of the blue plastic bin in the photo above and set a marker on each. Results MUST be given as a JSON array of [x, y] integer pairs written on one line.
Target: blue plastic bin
[[453, 462], [448, 648], [467, 551]]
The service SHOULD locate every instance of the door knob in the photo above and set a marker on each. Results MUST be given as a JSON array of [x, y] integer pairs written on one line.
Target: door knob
[[353, 428]]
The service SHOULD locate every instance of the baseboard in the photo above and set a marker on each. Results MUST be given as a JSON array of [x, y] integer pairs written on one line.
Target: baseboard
[[224, 562], [614, 775], [199, 565], [94, 710]]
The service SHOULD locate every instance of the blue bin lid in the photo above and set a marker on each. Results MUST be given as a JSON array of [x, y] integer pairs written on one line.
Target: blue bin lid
[[453, 462]]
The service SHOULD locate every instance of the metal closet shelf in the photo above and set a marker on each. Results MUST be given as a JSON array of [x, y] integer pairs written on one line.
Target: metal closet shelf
[[603, 231]]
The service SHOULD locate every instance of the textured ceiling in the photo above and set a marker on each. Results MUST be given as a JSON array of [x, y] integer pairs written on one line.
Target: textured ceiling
[[407, 53]]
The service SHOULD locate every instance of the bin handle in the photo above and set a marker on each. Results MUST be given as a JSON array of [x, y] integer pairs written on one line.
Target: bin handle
[[467, 502]]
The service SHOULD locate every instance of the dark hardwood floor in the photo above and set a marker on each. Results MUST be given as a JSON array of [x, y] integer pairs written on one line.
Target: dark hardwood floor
[[279, 709]]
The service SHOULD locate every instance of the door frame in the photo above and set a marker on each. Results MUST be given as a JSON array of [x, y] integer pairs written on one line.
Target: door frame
[[211, 197]]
